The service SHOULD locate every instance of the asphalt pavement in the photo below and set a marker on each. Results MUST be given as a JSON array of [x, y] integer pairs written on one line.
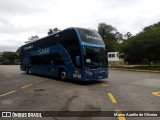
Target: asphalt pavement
[[122, 91]]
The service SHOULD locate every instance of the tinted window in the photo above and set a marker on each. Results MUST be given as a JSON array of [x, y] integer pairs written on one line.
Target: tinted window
[[90, 36], [41, 43], [46, 59], [68, 38], [35, 59], [95, 57], [56, 59], [75, 52]]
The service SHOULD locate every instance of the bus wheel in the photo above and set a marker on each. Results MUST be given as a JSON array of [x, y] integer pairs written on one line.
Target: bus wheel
[[63, 75], [27, 70]]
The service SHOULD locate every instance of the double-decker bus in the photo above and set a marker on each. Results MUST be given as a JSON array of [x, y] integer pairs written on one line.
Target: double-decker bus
[[74, 53]]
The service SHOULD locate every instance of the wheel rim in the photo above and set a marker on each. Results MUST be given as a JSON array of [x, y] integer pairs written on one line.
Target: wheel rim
[[63, 75], [29, 70]]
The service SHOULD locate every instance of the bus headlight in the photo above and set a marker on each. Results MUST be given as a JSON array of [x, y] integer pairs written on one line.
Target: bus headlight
[[88, 72]]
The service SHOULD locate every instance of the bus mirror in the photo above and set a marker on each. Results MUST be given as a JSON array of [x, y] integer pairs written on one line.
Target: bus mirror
[[77, 60]]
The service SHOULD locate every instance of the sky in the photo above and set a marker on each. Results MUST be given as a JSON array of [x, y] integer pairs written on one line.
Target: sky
[[20, 19]]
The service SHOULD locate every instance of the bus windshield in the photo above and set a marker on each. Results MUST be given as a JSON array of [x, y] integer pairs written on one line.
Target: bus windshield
[[95, 57], [90, 36]]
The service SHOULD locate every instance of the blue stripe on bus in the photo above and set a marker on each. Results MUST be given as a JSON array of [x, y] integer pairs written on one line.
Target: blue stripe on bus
[[91, 45]]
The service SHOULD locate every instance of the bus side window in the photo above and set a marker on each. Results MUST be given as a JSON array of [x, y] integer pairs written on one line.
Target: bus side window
[[57, 59], [74, 53], [68, 38], [46, 59], [35, 59]]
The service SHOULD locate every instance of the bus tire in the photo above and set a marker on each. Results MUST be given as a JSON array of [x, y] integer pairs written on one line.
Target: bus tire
[[28, 70], [63, 75]]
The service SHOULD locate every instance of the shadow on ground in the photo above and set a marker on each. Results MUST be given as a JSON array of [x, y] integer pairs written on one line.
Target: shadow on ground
[[71, 81]]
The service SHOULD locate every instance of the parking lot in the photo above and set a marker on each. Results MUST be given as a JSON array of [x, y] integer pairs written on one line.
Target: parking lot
[[122, 91]]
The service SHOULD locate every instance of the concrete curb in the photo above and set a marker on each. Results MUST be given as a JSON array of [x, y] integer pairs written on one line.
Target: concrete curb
[[153, 71]]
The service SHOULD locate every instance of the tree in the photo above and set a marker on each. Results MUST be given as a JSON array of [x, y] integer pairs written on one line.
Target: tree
[[1, 59], [9, 56], [152, 27], [32, 38], [107, 31], [51, 31], [18, 53], [127, 35], [18, 50], [119, 37], [143, 47], [110, 36]]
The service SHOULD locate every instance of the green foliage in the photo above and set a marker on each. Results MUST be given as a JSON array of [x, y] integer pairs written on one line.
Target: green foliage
[[18, 50], [33, 38], [18, 53], [153, 68], [110, 35], [51, 31], [127, 35], [144, 47], [1, 59], [9, 56]]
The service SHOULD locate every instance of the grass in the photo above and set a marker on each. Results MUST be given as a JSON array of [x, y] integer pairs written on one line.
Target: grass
[[154, 68]]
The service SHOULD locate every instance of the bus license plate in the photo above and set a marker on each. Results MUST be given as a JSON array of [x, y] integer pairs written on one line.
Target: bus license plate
[[99, 76]]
